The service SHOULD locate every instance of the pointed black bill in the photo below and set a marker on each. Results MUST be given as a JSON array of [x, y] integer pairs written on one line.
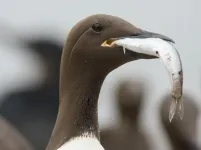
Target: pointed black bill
[[146, 34], [143, 34]]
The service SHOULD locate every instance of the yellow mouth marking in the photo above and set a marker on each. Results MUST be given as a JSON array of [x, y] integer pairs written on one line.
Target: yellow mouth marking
[[108, 43]]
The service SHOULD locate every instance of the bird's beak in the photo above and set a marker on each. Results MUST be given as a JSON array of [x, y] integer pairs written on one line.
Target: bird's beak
[[143, 34], [146, 34]]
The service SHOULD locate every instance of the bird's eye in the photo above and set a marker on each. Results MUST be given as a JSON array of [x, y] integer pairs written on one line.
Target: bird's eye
[[97, 27]]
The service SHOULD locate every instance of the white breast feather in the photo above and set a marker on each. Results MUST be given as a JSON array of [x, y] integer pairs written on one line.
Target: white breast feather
[[85, 142]]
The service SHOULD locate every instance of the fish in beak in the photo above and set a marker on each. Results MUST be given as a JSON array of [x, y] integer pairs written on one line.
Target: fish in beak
[[142, 35], [162, 47]]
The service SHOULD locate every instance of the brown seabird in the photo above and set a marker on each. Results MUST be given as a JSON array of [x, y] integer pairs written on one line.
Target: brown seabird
[[127, 134], [182, 136], [84, 66]]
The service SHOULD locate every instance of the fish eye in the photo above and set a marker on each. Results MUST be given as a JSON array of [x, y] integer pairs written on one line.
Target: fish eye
[[97, 27]]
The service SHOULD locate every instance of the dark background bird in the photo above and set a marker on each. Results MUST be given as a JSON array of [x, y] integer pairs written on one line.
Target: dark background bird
[[182, 134], [127, 134], [33, 112]]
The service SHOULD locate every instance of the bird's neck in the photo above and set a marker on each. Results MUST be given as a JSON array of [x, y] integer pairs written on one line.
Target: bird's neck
[[79, 91]]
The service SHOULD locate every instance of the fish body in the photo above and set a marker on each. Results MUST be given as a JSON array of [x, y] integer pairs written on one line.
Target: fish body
[[169, 55]]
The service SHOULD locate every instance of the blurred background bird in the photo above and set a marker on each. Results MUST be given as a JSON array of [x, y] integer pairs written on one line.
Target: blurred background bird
[[182, 135], [127, 134], [33, 111]]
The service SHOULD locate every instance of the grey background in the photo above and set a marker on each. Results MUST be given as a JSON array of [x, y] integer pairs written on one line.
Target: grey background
[[178, 19]]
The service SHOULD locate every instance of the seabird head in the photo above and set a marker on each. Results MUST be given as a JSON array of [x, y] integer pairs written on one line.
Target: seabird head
[[89, 41]]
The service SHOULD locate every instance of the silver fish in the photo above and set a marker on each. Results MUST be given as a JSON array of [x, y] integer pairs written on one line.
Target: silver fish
[[168, 54]]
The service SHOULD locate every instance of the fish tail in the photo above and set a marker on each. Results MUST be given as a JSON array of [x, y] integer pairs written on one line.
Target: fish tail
[[181, 108], [173, 106]]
